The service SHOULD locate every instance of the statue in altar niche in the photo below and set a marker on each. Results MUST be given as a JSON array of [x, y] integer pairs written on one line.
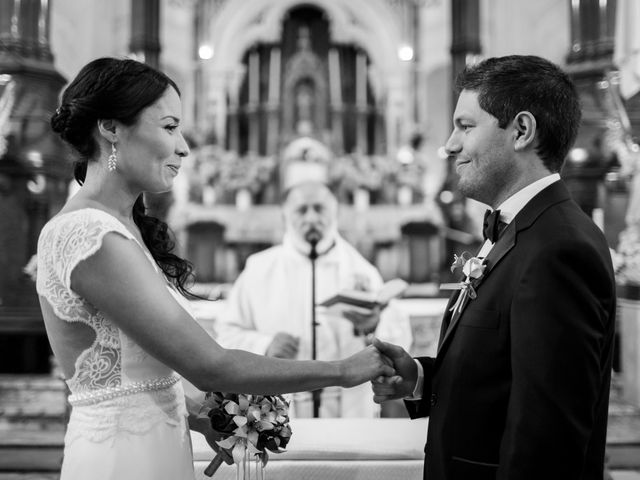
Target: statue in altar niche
[[304, 107], [305, 88]]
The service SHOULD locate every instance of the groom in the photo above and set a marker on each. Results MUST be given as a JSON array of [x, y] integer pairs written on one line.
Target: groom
[[519, 388]]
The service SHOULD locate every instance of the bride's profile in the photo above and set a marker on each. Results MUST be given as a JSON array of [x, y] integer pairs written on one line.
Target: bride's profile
[[114, 295]]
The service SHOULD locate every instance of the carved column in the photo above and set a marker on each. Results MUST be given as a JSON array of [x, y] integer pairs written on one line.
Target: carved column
[[589, 61], [417, 84], [361, 102], [592, 30], [254, 101], [145, 31], [33, 171], [465, 34], [335, 94], [273, 126], [234, 128]]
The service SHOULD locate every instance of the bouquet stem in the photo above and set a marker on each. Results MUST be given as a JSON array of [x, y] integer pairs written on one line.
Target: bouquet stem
[[214, 465]]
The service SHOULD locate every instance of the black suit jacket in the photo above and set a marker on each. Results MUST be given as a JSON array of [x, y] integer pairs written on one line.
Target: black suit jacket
[[519, 388]]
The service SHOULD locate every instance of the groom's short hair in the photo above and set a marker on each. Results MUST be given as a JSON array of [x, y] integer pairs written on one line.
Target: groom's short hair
[[516, 83]]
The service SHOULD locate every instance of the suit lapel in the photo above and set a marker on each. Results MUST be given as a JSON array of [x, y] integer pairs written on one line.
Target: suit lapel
[[446, 319], [554, 193], [447, 330]]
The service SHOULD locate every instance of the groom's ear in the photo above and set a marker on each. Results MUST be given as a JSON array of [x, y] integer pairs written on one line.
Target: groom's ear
[[524, 130]]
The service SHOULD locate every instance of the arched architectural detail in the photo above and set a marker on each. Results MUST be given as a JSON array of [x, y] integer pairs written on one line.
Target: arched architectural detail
[[238, 27], [372, 25]]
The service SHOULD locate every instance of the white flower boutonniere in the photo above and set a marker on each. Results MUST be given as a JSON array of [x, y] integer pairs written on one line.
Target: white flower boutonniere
[[473, 269]]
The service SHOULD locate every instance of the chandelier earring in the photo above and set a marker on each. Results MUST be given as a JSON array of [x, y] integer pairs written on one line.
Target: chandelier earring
[[112, 162]]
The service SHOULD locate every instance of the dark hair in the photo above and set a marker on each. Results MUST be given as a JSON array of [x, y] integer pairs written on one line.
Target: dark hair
[[516, 83], [110, 88]]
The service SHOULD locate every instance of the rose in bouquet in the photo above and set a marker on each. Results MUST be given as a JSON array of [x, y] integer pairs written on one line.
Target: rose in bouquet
[[626, 261], [250, 426]]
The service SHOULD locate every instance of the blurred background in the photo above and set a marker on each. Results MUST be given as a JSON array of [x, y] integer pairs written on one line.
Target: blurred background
[[358, 90]]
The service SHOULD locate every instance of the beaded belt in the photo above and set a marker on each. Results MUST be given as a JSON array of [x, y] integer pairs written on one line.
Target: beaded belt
[[94, 396]]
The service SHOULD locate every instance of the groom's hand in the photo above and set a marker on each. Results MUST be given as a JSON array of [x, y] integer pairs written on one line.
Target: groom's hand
[[397, 386]]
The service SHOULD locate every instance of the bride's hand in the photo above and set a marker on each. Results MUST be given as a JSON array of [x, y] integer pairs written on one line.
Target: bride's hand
[[200, 422], [211, 440], [364, 366]]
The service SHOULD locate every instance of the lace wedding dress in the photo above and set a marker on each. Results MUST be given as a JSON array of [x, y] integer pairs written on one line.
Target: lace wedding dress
[[128, 416]]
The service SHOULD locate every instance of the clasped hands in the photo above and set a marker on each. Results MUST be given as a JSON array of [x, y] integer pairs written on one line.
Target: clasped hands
[[402, 383]]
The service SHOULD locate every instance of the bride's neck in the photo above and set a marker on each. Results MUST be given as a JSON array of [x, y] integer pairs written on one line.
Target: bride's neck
[[106, 190]]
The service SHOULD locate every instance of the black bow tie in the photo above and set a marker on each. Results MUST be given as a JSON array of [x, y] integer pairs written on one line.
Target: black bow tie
[[492, 227]]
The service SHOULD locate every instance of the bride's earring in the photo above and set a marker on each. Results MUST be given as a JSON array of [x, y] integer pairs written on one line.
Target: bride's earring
[[112, 162]]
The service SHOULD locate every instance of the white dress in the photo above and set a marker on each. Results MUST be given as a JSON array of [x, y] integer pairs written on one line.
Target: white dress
[[128, 417]]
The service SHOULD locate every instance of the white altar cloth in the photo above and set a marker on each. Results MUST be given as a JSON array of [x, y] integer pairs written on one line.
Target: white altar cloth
[[337, 449]]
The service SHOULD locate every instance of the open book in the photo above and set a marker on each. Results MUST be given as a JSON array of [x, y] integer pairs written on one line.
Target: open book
[[364, 301]]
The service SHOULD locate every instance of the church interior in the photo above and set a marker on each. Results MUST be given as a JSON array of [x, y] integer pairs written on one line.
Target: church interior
[[357, 93]]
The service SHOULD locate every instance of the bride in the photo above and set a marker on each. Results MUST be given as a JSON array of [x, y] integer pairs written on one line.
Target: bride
[[112, 292]]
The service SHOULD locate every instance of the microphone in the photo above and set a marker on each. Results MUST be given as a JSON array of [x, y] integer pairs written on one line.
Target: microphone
[[313, 236]]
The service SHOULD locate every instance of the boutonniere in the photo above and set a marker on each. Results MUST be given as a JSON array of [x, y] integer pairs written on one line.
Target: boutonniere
[[473, 269]]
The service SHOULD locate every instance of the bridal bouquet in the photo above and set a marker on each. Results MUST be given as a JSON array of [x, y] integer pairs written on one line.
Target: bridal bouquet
[[250, 425]]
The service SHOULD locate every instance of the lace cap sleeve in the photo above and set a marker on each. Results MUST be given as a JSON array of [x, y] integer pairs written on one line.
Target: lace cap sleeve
[[67, 240]]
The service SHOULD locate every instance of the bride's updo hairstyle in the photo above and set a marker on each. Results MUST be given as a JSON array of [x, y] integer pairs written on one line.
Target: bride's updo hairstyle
[[118, 89]]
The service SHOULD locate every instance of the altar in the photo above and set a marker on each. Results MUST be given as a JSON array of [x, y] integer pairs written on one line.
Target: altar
[[336, 449]]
